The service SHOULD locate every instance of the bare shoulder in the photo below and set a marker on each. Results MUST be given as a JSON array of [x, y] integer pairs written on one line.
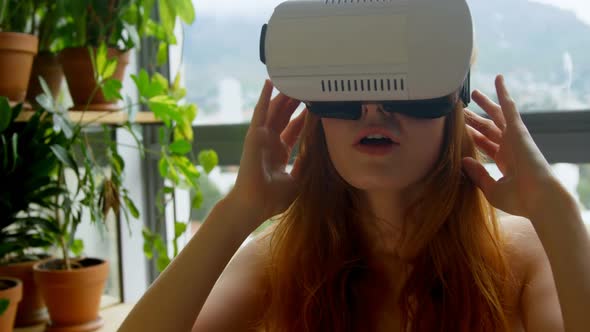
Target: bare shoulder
[[538, 303], [523, 246], [237, 300]]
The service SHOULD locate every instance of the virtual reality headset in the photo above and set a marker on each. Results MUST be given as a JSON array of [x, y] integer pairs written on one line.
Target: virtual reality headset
[[410, 56]]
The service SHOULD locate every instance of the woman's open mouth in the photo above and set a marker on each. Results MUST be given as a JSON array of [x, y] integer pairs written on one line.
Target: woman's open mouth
[[376, 145]]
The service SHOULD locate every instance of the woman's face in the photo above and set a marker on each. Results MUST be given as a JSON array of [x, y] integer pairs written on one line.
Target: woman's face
[[383, 166]]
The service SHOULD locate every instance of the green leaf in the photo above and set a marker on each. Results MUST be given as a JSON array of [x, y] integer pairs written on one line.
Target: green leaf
[[183, 130], [64, 156], [148, 244], [163, 167], [4, 304], [190, 112], [168, 190], [181, 147], [131, 206], [109, 69], [111, 88], [77, 247], [63, 125], [14, 149], [162, 263], [117, 161], [208, 159], [167, 15], [45, 88], [142, 81], [162, 53], [185, 10], [101, 59], [159, 245], [5, 114], [179, 229], [160, 84], [197, 200]]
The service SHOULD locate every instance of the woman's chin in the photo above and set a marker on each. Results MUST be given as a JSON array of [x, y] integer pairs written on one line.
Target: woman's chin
[[378, 184]]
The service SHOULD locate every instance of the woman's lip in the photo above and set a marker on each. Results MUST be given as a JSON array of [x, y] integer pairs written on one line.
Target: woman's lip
[[376, 131], [375, 150]]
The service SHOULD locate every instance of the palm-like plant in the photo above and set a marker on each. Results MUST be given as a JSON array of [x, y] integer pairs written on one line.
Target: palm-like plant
[[27, 171]]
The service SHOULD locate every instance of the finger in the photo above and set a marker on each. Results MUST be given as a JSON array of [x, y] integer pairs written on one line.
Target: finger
[[275, 110], [484, 126], [282, 115], [490, 148], [480, 177], [491, 108], [506, 102], [261, 109], [291, 133]]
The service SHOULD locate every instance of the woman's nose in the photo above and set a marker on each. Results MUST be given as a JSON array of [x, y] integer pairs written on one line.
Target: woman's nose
[[374, 111]]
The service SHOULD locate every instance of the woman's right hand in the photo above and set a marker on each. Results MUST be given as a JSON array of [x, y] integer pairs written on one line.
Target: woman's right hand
[[263, 187]]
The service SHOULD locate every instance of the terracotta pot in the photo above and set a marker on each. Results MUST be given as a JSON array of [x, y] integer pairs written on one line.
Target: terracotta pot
[[12, 290], [47, 66], [72, 297], [77, 67], [31, 309], [17, 51]]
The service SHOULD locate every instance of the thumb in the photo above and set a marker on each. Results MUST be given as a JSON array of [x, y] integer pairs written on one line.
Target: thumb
[[479, 175]]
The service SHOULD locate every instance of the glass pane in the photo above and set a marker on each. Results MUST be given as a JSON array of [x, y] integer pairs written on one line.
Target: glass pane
[[214, 187], [575, 178], [541, 46]]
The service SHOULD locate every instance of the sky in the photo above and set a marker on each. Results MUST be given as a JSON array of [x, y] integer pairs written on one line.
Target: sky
[[265, 7]]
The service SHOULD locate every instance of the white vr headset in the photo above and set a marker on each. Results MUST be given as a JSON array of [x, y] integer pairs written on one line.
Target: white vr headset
[[413, 56]]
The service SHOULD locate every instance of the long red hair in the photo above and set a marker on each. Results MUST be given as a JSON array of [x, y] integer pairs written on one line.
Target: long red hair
[[319, 269]]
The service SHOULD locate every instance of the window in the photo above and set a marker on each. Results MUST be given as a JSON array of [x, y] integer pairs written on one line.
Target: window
[[540, 46]]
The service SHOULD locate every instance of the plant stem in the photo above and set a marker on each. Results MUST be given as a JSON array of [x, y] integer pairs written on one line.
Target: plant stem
[[62, 243]]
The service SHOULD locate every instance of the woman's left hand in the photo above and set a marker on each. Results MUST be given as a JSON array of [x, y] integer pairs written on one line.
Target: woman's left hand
[[528, 182]]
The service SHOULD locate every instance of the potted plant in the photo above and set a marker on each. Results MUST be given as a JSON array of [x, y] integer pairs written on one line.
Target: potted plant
[[118, 24], [72, 285], [47, 24], [17, 48], [27, 165], [97, 188], [10, 295]]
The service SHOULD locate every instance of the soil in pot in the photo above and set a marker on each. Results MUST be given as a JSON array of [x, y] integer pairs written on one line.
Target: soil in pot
[[10, 290], [17, 51], [72, 297], [77, 67], [31, 309]]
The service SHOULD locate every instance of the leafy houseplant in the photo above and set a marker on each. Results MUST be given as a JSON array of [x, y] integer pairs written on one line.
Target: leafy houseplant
[[176, 158], [17, 48], [98, 189], [118, 24], [27, 165]]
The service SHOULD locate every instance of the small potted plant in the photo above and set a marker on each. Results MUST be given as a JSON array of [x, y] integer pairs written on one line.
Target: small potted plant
[[27, 165], [17, 48], [10, 294], [118, 24], [72, 285]]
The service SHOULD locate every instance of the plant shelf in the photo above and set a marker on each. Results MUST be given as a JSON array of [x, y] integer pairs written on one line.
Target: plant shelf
[[100, 117]]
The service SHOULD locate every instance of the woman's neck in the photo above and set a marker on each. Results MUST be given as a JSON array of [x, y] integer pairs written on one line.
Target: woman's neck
[[385, 219]]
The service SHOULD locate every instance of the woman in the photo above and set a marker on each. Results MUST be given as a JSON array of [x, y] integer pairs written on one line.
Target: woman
[[393, 238]]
